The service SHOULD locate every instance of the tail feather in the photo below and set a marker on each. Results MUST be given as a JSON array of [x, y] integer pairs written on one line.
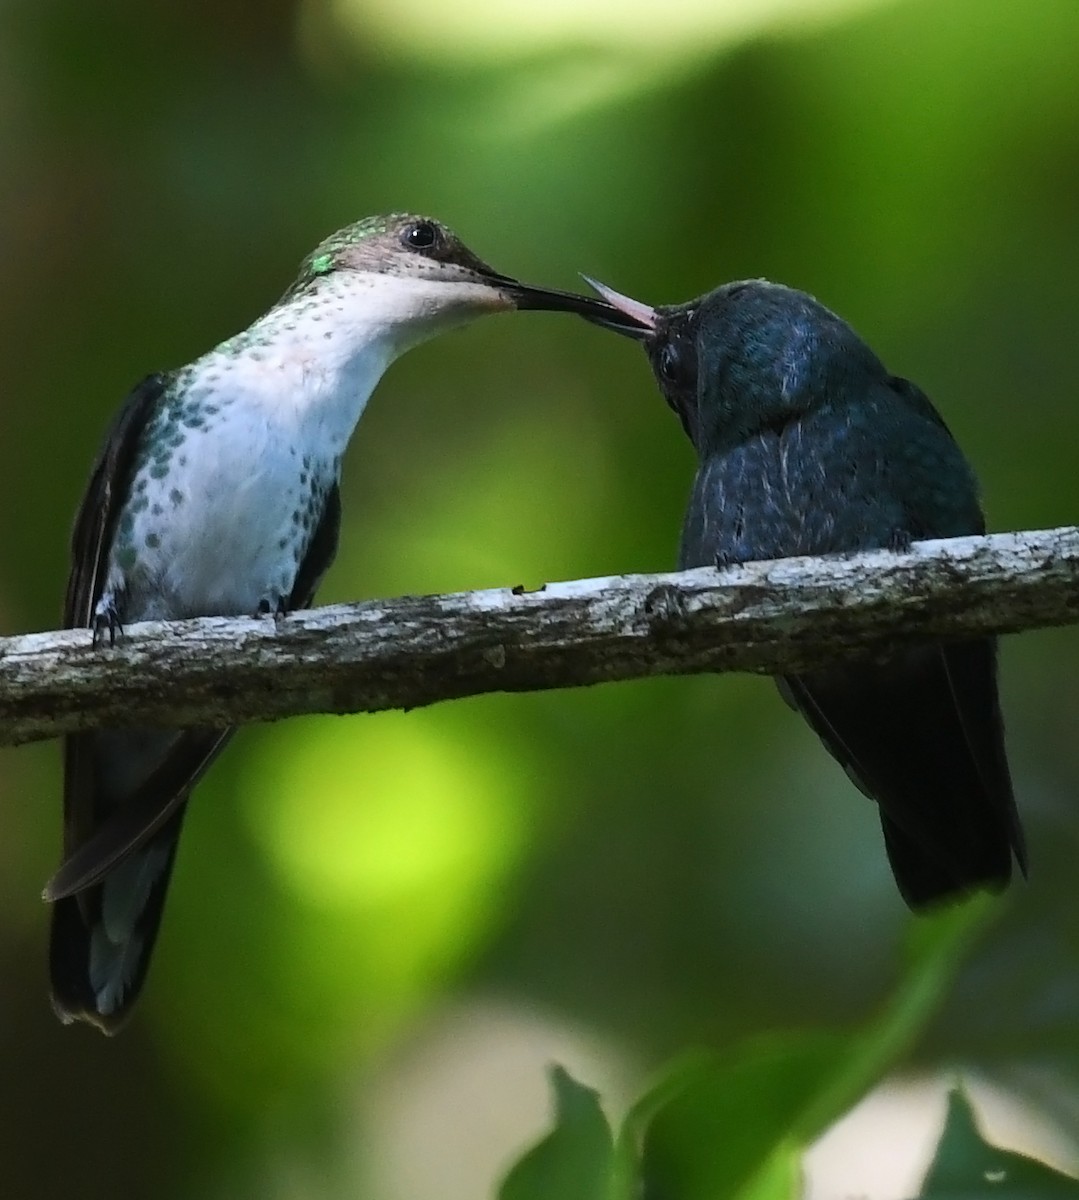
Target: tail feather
[[125, 795], [102, 939], [922, 736]]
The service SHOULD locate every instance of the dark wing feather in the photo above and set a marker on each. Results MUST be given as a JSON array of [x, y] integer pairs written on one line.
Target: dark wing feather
[[920, 734], [143, 814], [119, 832], [321, 552], [95, 522], [76, 920], [91, 541], [972, 673], [91, 830], [149, 820], [932, 760]]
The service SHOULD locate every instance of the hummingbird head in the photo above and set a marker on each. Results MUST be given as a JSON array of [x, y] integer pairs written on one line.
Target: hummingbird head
[[413, 277], [669, 338], [746, 357]]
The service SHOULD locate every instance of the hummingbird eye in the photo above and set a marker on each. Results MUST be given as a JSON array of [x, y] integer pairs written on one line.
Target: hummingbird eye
[[672, 363], [421, 236]]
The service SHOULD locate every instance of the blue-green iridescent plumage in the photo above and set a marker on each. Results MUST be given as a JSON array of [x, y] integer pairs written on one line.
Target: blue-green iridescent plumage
[[808, 445]]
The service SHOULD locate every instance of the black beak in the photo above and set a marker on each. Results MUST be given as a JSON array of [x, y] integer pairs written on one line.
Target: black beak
[[611, 316]]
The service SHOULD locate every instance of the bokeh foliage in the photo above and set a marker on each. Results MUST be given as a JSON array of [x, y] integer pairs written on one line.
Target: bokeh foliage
[[667, 863]]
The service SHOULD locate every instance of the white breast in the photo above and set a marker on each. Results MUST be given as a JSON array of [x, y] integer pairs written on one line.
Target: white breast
[[226, 525]]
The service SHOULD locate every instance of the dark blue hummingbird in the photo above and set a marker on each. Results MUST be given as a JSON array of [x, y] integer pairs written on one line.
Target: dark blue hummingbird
[[216, 493], [807, 445]]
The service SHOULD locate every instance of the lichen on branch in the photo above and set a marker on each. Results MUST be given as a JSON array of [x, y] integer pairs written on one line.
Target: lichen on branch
[[783, 615]]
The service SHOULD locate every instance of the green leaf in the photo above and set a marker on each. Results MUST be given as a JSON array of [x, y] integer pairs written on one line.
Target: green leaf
[[734, 1115], [575, 1161], [733, 1126], [967, 1167]]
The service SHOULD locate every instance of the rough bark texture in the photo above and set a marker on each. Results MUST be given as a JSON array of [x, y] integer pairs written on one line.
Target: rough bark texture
[[786, 615]]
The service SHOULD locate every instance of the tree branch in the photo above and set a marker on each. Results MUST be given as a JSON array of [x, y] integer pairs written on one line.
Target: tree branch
[[786, 615]]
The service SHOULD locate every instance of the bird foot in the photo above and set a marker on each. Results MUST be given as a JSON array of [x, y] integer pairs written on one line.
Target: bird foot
[[106, 619], [272, 607]]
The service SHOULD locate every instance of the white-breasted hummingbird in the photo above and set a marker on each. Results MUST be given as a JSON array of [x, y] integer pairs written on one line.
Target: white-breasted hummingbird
[[216, 493]]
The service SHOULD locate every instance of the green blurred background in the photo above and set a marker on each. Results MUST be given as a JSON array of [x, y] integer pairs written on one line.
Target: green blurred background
[[381, 928]]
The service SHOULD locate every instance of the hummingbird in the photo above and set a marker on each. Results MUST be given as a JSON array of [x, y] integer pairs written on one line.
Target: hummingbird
[[807, 445], [216, 493]]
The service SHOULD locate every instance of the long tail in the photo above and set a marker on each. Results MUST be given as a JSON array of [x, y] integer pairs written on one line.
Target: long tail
[[922, 736], [102, 939], [125, 794]]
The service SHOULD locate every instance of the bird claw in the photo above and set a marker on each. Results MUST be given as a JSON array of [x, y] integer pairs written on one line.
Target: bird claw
[[275, 608], [106, 619]]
